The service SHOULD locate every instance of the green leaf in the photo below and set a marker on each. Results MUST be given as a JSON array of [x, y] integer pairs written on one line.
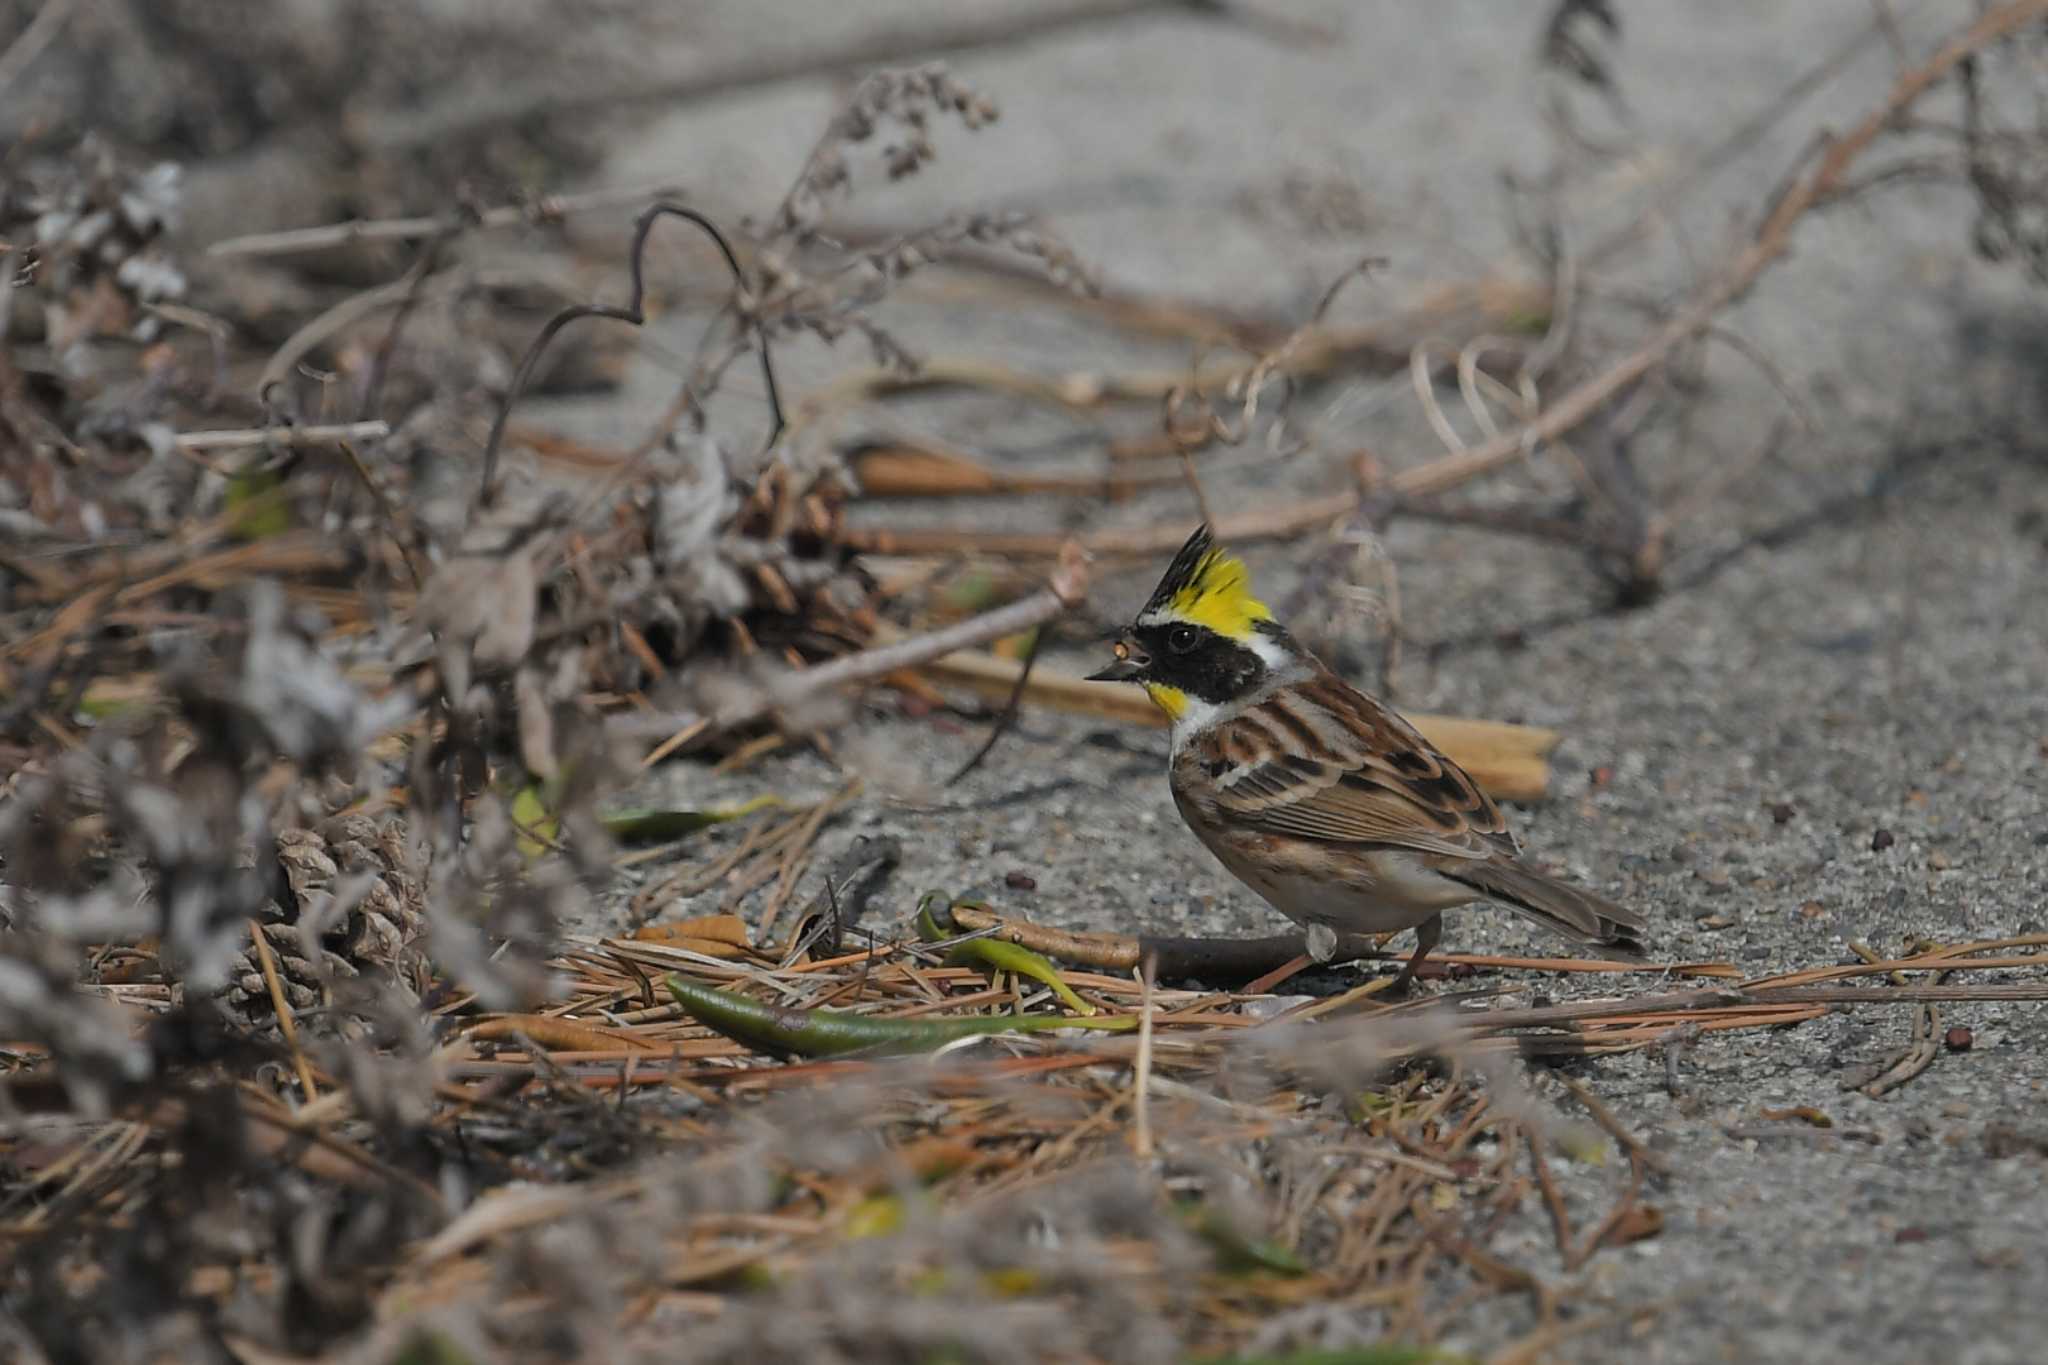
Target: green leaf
[[256, 507], [537, 824], [876, 1216], [429, 1348], [973, 590], [654, 824], [1235, 1252], [1355, 1355], [995, 954]]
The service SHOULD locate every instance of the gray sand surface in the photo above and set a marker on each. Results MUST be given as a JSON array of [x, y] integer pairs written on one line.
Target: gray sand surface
[[1853, 634]]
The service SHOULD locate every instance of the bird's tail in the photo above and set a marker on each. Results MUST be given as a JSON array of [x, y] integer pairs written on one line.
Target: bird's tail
[[1556, 905]]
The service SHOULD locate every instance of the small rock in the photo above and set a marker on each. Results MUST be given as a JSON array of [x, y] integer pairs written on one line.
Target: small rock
[[1600, 776], [1020, 881], [1906, 1236], [1955, 1109], [1812, 910], [1715, 921], [1782, 813], [1939, 861], [2002, 1140], [1959, 1039], [1273, 1006], [1882, 840]]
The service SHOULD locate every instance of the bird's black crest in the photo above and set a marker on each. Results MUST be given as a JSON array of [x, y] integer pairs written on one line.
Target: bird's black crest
[[1182, 571]]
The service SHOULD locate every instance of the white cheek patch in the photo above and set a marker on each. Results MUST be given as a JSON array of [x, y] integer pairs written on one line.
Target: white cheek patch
[[1270, 654]]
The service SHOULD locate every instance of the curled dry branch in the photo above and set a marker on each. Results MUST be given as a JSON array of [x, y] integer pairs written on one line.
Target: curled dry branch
[[1827, 181], [1064, 590], [635, 314]]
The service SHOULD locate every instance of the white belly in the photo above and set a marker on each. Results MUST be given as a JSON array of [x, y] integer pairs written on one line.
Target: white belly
[[1351, 892]]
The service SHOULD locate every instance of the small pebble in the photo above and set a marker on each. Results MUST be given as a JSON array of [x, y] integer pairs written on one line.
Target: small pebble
[[1782, 812], [1020, 881], [1959, 1039], [1270, 1007], [1882, 840]]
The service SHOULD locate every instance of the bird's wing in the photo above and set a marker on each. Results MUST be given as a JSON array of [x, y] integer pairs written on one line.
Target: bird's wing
[[1321, 760]]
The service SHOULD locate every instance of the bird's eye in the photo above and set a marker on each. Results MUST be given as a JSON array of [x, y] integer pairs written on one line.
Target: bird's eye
[[1182, 639]]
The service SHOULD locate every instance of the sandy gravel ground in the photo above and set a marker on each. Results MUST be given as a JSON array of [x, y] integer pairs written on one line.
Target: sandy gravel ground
[[1852, 642]]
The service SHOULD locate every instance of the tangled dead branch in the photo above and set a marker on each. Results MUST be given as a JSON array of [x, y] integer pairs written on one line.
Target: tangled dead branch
[[302, 774]]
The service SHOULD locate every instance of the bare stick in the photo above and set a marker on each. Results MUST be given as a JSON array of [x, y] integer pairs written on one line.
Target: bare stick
[[1509, 761], [1067, 588], [1827, 181], [262, 438], [384, 510], [1268, 524], [285, 1023], [879, 43], [1604, 1116], [1141, 1069], [1008, 715], [339, 318], [1213, 960], [415, 280], [548, 208], [634, 314], [40, 33]]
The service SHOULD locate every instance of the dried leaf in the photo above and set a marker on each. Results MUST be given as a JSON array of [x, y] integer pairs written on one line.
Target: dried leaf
[[1638, 1222], [722, 936], [1805, 1113]]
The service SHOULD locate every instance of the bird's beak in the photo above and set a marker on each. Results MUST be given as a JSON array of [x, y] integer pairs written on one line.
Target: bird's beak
[[1129, 663]]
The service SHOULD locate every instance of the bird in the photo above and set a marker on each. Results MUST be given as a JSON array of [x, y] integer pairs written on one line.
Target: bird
[[1314, 794]]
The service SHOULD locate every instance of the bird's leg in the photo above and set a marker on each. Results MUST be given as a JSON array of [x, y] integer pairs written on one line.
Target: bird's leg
[[1426, 935]]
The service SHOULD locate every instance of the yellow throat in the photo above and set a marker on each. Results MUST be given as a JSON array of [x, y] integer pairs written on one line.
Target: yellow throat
[[1171, 700], [1208, 587]]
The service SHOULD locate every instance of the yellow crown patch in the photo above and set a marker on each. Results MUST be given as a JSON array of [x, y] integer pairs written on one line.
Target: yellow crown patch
[[1208, 587]]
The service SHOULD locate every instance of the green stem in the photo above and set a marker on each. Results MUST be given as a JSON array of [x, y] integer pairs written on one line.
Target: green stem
[[996, 955], [831, 1033]]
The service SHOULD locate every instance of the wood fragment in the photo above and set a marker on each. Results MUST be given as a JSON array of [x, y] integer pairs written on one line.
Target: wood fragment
[[1508, 760]]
